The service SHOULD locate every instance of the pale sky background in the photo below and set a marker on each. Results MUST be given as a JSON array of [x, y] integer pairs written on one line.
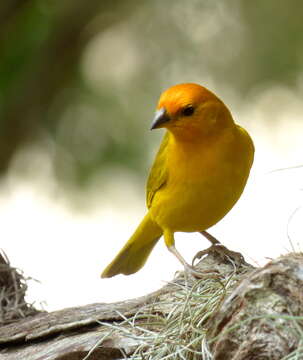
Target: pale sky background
[[66, 250]]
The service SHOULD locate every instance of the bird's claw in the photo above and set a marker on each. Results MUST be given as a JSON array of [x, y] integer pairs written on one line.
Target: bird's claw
[[233, 256]]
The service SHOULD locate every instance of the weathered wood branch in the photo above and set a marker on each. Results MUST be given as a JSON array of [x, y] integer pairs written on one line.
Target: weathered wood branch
[[235, 312], [265, 312]]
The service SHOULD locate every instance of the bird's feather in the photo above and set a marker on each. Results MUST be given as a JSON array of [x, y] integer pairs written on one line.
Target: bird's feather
[[159, 173]]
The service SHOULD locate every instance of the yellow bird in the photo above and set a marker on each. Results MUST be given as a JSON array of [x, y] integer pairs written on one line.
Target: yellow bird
[[198, 175]]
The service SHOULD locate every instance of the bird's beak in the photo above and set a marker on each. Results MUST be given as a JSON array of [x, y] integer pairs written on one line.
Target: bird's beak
[[160, 118]]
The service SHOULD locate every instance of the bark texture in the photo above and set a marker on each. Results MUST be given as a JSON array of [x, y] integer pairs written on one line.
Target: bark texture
[[255, 317], [263, 311]]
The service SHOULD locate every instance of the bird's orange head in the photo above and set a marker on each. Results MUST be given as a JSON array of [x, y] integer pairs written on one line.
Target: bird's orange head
[[190, 111]]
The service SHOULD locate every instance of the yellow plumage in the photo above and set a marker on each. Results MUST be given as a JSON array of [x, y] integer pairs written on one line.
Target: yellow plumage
[[198, 174]]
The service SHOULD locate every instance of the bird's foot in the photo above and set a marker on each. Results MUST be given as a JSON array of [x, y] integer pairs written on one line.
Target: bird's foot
[[219, 249], [189, 269]]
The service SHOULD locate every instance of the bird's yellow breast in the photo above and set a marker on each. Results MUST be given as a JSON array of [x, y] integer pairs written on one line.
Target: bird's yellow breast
[[204, 182]]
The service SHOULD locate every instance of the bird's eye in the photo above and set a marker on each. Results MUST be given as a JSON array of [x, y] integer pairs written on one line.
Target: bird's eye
[[188, 110]]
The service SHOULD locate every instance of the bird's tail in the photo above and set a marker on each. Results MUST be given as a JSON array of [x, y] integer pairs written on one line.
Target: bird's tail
[[135, 252]]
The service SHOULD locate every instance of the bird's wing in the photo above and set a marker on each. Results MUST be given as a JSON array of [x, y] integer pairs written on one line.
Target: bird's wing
[[158, 174]]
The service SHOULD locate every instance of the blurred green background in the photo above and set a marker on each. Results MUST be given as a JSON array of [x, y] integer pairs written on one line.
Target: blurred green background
[[79, 80]]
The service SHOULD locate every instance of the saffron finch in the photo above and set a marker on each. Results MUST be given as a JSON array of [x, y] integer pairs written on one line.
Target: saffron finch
[[198, 175]]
